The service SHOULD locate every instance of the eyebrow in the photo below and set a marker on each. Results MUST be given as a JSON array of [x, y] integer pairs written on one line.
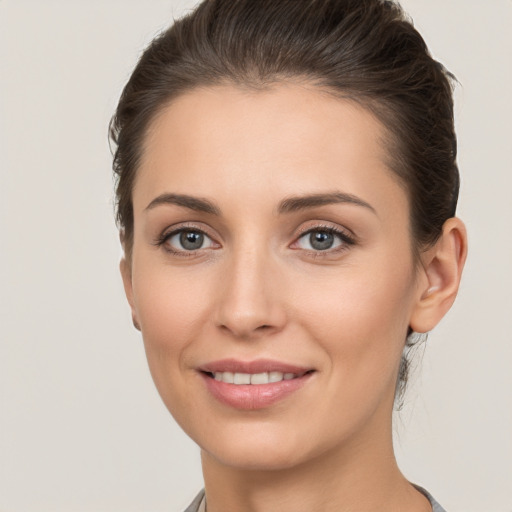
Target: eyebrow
[[289, 205], [197, 204], [294, 204]]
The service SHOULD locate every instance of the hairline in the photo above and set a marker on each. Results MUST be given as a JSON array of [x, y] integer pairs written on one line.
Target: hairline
[[389, 142]]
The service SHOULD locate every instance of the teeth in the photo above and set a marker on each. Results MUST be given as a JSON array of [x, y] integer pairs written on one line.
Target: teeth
[[242, 378], [259, 378], [275, 377], [252, 378], [228, 377]]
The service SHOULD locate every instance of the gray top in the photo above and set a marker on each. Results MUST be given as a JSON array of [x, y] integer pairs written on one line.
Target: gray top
[[198, 500], [199, 504], [435, 506]]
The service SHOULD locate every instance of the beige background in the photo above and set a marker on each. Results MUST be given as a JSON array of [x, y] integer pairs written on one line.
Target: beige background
[[81, 426]]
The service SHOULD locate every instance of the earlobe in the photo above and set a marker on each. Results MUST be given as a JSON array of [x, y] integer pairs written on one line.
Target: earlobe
[[126, 274], [442, 270]]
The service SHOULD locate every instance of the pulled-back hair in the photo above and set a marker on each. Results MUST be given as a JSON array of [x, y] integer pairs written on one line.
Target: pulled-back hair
[[365, 50]]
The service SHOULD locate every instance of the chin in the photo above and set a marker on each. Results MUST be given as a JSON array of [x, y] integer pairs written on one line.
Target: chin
[[256, 447], [252, 457]]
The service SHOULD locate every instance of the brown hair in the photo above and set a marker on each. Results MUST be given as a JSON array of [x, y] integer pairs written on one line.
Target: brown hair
[[365, 50]]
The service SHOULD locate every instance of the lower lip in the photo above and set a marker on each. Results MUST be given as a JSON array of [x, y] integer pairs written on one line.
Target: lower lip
[[253, 396]]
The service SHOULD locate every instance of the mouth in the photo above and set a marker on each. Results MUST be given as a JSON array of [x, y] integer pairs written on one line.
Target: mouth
[[253, 385], [254, 379]]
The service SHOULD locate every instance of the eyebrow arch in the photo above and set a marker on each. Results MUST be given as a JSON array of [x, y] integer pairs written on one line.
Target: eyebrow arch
[[293, 204], [192, 203]]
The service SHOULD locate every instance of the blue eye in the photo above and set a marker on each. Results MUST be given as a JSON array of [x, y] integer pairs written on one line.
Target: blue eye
[[187, 240], [322, 239]]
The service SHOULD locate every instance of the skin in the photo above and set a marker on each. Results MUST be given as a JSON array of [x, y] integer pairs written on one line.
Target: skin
[[258, 289]]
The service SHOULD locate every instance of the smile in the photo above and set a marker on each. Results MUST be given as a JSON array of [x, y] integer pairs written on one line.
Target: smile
[[254, 378], [253, 385]]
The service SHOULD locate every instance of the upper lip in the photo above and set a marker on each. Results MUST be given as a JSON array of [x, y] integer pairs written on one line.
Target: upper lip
[[256, 366]]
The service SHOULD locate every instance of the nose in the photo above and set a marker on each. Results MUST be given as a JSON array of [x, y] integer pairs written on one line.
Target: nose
[[250, 301]]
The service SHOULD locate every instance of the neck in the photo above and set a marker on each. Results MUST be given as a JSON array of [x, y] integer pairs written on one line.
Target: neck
[[362, 475]]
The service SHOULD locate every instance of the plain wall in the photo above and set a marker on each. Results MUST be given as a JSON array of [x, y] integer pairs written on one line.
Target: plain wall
[[81, 426]]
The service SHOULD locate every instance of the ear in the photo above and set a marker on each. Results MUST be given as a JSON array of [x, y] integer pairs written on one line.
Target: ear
[[126, 273], [440, 276]]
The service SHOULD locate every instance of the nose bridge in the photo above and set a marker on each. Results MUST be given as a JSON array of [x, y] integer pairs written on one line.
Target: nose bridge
[[249, 301]]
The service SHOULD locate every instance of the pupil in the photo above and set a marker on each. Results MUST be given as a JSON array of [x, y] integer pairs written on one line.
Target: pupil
[[191, 240], [321, 240]]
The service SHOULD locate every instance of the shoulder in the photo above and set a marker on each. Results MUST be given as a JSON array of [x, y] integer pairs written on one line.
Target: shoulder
[[196, 504], [435, 505]]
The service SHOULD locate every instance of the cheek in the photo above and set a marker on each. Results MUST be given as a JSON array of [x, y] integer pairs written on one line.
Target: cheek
[[361, 320], [172, 310], [361, 326], [168, 300]]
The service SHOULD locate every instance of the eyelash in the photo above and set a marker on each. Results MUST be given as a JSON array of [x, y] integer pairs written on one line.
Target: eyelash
[[167, 235], [346, 240]]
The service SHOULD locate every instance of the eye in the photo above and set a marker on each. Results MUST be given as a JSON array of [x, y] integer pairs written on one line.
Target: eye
[[187, 240], [323, 239]]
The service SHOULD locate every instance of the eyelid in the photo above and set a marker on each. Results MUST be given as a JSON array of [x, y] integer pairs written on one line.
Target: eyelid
[[345, 233], [175, 229], [347, 237]]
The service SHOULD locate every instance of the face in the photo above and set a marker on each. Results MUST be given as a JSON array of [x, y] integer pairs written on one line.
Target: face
[[272, 273]]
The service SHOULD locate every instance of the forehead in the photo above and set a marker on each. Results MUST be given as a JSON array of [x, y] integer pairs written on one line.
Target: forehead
[[227, 142]]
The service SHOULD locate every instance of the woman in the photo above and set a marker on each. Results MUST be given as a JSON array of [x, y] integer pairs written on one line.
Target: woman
[[287, 185]]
